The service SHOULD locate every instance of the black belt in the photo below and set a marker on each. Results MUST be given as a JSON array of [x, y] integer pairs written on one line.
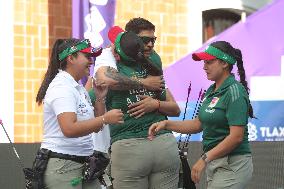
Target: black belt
[[78, 159]]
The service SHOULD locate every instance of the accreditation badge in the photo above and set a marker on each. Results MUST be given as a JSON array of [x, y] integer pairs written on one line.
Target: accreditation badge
[[213, 102]]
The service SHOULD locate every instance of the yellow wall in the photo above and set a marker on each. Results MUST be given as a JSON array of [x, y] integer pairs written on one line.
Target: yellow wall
[[36, 24], [170, 19]]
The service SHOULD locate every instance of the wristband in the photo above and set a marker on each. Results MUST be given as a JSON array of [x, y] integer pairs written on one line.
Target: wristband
[[159, 105], [205, 158], [100, 99], [103, 120]]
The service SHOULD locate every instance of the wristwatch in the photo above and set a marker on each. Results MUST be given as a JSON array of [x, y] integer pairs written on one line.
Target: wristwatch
[[204, 158]]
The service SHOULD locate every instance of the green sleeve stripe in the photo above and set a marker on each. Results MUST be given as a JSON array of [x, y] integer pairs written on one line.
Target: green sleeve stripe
[[235, 93]]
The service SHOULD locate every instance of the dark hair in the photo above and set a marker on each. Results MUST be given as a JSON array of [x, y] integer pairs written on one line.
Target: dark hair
[[132, 46], [237, 54], [54, 65], [136, 25]]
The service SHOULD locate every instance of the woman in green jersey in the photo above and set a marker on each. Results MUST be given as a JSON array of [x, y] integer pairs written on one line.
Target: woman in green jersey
[[223, 118]]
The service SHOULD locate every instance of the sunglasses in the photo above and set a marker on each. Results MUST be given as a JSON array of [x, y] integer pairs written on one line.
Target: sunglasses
[[146, 39]]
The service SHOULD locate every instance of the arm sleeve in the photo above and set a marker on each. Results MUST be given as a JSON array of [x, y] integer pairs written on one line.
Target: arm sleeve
[[105, 59], [237, 107]]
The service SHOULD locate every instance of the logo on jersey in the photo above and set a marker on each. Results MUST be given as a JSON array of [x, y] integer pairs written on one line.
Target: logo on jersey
[[213, 102]]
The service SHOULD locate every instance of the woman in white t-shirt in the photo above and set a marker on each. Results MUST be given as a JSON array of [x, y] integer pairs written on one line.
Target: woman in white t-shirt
[[69, 115]]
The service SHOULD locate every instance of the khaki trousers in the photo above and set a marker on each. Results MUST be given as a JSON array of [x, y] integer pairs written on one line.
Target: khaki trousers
[[59, 174], [143, 164], [230, 172]]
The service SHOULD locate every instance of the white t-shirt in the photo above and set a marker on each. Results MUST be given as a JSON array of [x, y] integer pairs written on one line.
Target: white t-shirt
[[105, 59], [64, 94], [102, 138]]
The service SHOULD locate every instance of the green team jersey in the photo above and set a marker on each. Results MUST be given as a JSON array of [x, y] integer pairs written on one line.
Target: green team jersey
[[228, 106], [132, 127], [92, 95], [154, 58]]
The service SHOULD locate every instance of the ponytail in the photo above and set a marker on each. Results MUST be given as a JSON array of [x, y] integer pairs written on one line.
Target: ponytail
[[242, 74], [54, 66], [151, 68]]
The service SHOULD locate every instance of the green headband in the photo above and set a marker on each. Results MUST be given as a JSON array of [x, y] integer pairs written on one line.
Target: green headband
[[70, 50], [119, 49], [220, 54]]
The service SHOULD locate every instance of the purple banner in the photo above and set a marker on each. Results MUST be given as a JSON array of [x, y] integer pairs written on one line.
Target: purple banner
[[91, 19], [260, 39]]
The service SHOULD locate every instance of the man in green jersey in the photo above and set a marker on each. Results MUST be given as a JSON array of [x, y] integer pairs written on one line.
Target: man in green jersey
[[223, 118], [136, 161]]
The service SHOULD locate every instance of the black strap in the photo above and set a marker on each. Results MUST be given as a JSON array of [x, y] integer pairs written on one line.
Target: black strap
[[187, 181], [78, 159]]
